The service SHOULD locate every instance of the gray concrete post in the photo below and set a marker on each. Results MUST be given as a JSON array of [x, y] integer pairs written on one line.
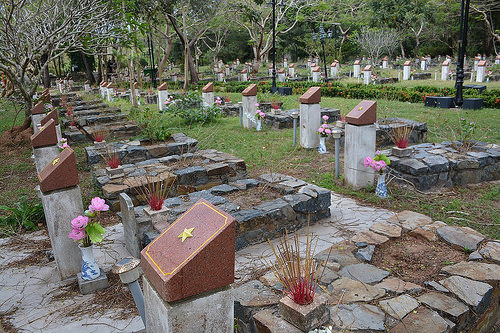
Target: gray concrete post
[[240, 111], [249, 110], [162, 97], [208, 98], [336, 133], [128, 270], [60, 207], [295, 115], [310, 121], [359, 143], [44, 155], [130, 230]]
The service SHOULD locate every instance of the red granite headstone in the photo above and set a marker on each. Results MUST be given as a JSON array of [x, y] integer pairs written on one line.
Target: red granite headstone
[[333, 64], [209, 87], [311, 96], [446, 63], [316, 69], [60, 173], [407, 63], [136, 86], [357, 62], [45, 97], [251, 90], [39, 108], [163, 86], [365, 113], [482, 63], [367, 68], [46, 136], [291, 65], [110, 85], [51, 115], [194, 255]]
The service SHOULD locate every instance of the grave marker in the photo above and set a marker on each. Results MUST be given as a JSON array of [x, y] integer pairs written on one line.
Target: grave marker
[[423, 63], [187, 269], [281, 75], [109, 91], [315, 74], [162, 96], [291, 70], [497, 60], [445, 70], [310, 117], [249, 99], [481, 71], [406, 70], [367, 74], [385, 62], [62, 202], [52, 115], [357, 68], [103, 89], [360, 139], [334, 69], [44, 144], [207, 93], [244, 75]]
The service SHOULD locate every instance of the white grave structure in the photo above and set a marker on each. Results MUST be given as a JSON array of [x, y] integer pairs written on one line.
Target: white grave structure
[[445, 70], [310, 117], [406, 70], [357, 68], [481, 71]]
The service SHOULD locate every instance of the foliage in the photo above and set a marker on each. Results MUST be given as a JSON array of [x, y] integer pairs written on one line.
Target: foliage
[[152, 123], [26, 214], [189, 108]]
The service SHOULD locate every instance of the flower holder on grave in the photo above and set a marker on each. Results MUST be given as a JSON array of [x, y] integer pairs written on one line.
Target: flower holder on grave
[[188, 270], [37, 114], [53, 115], [360, 139], [162, 96], [310, 118], [207, 94], [62, 202], [44, 144], [249, 99]]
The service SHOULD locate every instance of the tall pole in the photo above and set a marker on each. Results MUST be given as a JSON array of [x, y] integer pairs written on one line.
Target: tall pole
[[273, 89], [322, 40], [462, 44]]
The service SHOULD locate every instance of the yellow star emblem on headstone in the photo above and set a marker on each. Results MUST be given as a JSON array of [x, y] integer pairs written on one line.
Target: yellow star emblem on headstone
[[187, 233]]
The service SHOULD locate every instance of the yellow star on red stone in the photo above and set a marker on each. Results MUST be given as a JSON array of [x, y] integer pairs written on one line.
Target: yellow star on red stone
[[187, 233]]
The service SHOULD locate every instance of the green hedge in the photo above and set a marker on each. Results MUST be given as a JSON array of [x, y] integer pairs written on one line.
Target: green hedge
[[415, 94]]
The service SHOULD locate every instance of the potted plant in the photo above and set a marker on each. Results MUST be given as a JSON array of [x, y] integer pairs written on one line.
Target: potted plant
[[324, 131], [112, 159], [299, 273], [400, 136], [87, 231], [379, 165]]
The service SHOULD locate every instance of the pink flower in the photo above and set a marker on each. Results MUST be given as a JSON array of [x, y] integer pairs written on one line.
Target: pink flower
[[324, 125], [256, 104], [377, 152], [368, 161], [98, 205], [262, 114], [321, 129], [79, 222], [325, 117], [328, 131], [76, 234]]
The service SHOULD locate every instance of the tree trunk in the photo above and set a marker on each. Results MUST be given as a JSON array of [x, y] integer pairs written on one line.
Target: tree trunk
[[46, 74], [88, 70], [402, 49], [54, 63], [99, 69], [192, 68]]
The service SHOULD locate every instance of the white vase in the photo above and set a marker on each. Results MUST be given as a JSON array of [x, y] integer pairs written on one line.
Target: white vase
[[90, 269], [381, 189], [259, 125], [322, 146]]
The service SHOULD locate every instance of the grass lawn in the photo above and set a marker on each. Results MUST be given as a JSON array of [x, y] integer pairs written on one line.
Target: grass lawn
[[273, 151]]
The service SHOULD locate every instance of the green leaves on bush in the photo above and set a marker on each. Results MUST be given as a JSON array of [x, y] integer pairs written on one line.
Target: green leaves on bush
[[26, 214], [153, 125], [189, 107]]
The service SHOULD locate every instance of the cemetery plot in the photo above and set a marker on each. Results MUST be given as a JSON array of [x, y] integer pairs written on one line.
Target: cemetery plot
[[431, 166], [183, 174], [284, 119]]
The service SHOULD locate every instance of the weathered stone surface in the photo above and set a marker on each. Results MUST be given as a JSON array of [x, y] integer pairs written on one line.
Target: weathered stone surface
[[365, 253], [444, 304], [251, 297], [474, 270], [476, 294], [223, 189], [422, 320], [461, 237], [213, 199], [328, 276], [386, 229], [269, 279], [305, 317], [409, 220], [491, 250], [217, 169], [250, 182], [399, 307], [398, 286], [195, 175], [341, 254], [436, 163], [267, 322], [358, 317], [424, 234], [413, 167], [354, 291], [369, 237], [475, 256], [111, 190], [436, 286]]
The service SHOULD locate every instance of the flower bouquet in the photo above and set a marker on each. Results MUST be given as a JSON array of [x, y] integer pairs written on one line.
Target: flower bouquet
[[379, 164]]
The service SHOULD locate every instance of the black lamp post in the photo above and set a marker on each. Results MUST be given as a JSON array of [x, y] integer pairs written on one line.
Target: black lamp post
[[152, 59], [273, 4], [322, 36], [462, 44]]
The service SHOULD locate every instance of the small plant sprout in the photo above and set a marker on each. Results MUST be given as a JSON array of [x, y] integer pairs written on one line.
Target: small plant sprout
[[155, 191], [401, 136], [297, 271]]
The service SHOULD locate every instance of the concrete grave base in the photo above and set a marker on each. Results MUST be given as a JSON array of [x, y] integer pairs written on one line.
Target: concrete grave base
[[60, 207], [208, 98], [44, 156], [91, 286], [359, 143], [310, 121], [208, 312]]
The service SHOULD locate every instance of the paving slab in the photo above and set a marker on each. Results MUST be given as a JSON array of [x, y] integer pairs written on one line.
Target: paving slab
[[399, 307]]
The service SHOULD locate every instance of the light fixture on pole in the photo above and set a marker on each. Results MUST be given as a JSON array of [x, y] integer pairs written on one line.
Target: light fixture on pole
[[273, 4], [322, 35]]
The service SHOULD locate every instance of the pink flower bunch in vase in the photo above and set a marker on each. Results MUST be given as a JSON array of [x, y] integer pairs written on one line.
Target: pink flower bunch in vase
[[63, 143], [260, 115], [85, 229], [218, 101], [378, 164]]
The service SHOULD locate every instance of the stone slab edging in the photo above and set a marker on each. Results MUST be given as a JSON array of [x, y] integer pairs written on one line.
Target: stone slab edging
[[465, 298]]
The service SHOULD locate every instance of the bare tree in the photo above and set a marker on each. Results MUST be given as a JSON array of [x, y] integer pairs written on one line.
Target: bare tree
[[35, 32], [375, 42], [487, 9]]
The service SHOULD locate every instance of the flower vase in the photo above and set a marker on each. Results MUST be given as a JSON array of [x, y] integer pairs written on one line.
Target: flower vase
[[259, 125], [90, 269], [381, 190], [487, 80], [322, 146]]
